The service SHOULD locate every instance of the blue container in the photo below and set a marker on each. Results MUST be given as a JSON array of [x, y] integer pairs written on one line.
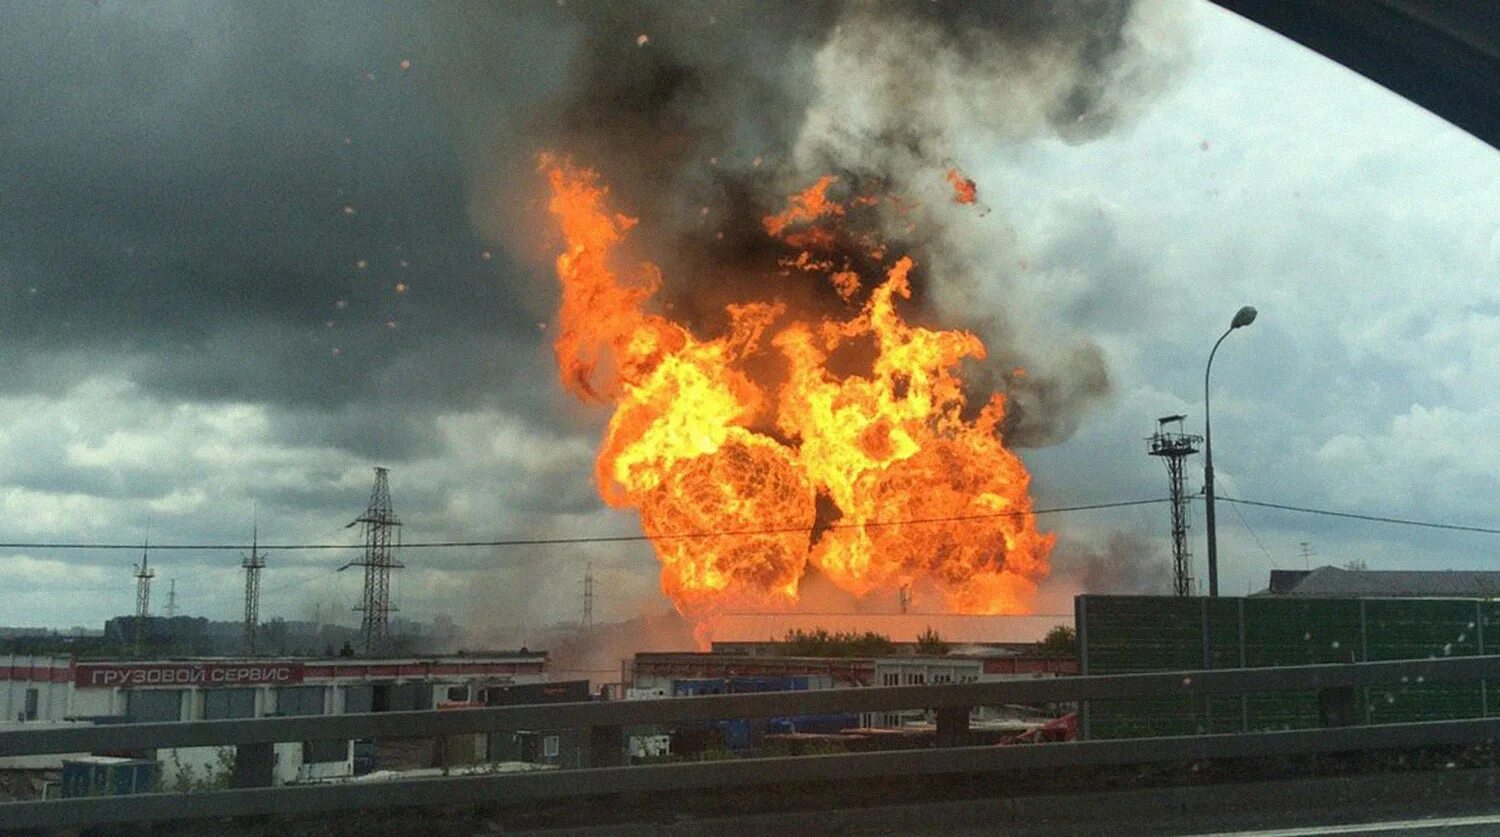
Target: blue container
[[745, 685], [699, 686], [736, 734], [816, 723]]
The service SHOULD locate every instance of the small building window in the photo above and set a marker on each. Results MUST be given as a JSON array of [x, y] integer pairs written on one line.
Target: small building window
[[299, 700], [31, 705], [358, 699], [891, 678], [551, 746], [325, 750], [918, 678], [458, 693], [228, 703], [146, 705]]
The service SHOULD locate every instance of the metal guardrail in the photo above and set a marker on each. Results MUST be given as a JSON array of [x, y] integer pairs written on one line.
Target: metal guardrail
[[755, 705], [504, 788], [520, 787]]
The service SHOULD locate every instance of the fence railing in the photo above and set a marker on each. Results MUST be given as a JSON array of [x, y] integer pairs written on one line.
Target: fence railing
[[607, 721]]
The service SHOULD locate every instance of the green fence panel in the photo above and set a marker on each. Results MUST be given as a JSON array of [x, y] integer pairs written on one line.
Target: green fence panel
[[1124, 634]]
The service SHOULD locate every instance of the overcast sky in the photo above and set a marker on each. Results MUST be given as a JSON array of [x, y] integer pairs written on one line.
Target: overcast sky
[[240, 266]]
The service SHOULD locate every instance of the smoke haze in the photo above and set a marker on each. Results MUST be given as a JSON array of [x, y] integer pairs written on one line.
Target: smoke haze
[[705, 115]]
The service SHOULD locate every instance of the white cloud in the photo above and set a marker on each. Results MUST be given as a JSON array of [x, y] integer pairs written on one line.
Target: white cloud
[[1362, 227]]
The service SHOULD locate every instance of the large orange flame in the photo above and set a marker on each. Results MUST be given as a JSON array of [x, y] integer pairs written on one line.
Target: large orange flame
[[727, 471]]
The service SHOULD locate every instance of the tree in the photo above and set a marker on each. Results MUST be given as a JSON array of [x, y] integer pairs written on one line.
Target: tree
[[1061, 641], [929, 642], [819, 642]]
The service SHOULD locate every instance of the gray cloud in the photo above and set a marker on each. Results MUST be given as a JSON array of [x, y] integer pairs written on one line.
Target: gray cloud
[[173, 248]]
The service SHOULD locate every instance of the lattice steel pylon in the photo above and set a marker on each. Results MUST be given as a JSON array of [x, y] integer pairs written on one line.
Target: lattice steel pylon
[[1174, 446], [379, 524], [253, 564], [143, 576]]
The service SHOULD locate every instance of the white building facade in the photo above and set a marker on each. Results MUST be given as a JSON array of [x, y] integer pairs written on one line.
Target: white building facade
[[55, 690]]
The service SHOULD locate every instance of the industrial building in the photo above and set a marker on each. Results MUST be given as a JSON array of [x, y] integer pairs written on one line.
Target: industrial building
[[653, 673], [61, 689], [953, 668], [564, 747], [1336, 582], [676, 674]]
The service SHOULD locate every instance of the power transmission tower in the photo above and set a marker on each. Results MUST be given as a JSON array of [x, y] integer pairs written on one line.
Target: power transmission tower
[[171, 597], [143, 576], [1174, 446], [903, 597], [253, 564], [379, 524], [588, 597], [1307, 554]]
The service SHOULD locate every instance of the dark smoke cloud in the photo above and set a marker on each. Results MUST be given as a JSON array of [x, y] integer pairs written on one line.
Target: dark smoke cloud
[[600, 654], [1126, 563], [704, 115], [173, 181]]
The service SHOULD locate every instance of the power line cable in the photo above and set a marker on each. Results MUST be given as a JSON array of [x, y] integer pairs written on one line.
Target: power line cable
[[1248, 528], [224, 597], [603, 538], [1374, 518]]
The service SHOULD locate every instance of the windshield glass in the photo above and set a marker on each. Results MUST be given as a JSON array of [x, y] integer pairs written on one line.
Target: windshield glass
[[865, 299]]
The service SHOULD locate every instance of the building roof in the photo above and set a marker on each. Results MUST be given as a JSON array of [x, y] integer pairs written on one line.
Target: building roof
[[957, 629], [775, 647], [1333, 582]]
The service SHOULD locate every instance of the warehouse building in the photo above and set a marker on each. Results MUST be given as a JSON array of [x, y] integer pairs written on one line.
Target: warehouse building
[[1337, 582], [928, 670], [678, 674], [58, 690]]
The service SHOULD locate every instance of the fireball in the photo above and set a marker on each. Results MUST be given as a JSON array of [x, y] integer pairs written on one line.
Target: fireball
[[881, 476]]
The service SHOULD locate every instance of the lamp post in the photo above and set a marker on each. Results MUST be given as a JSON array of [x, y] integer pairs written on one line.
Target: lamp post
[[1243, 317]]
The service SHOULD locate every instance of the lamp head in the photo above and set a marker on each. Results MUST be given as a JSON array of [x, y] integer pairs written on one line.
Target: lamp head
[[1243, 317]]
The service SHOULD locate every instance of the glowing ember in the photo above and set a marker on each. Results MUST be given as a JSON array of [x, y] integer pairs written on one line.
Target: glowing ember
[[882, 478], [964, 190]]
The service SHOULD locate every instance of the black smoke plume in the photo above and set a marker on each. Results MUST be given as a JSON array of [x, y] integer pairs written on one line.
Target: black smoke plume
[[704, 116]]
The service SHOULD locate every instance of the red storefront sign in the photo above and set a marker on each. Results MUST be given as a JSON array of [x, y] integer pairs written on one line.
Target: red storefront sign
[[203, 675]]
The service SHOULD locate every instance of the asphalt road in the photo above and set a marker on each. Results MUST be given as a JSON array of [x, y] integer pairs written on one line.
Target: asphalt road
[[1475, 824], [839, 823], [1408, 804]]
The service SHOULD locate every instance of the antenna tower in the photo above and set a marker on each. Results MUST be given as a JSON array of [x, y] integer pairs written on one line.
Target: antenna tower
[[171, 597], [588, 597], [253, 564], [1174, 446], [143, 576], [379, 524]]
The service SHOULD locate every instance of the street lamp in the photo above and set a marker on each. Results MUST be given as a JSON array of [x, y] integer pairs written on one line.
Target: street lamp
[[1243, 317]]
